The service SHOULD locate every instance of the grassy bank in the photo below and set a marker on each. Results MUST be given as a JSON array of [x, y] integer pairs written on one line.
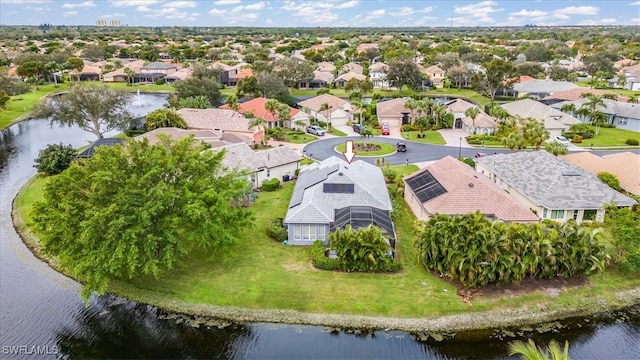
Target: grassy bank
[[264, 280], [429, 137], [385, 149], [609, 137]]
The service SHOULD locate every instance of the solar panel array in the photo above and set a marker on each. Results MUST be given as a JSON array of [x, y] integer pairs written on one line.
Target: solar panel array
[[363, 216], [425, 186], [309, 178], [338, 188]]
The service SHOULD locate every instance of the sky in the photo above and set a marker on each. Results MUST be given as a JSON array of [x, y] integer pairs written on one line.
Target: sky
[[321, 13]]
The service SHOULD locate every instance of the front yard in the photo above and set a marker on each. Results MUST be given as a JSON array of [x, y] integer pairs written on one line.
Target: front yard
[[609, 137], [260, 273], [428, 137]]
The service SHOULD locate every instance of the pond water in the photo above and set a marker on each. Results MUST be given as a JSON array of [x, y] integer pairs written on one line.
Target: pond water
[[41, 312]]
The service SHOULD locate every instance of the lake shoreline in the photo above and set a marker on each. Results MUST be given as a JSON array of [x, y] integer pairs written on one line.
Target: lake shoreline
[[221, 316]]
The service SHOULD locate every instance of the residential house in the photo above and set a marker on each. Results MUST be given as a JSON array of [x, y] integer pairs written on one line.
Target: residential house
[[120, 75], [226, 71], [211, 137], [152, 72], [225, 121], [341, 80], [320, 80], [573, 94], [275, 163], [621, 114], [539, 89], [449, 186], [625, 166], [482, 124], [378, 75], [332, 194], [326, 66], [555, 121], [632, 74], [553, 188], [353, 68], [339, 112], [181, 74], [367, 46], [436, 75], [257, 107], [88, 73], [393, 112], [242, 73]]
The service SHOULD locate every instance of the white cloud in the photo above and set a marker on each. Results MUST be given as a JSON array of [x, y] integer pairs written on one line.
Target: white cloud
[[637, 3], [217, 12], [180, 4], [86, 4], [144, 8], [138, 3], [576, 10], [348, 4], [403, 11], [527, 13], [69, 13], [480, 12], [226, 2], [38, 8]]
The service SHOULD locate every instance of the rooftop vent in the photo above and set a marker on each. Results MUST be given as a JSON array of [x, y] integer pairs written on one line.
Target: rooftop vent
[[340, 173], [570, 173], [470, 184]]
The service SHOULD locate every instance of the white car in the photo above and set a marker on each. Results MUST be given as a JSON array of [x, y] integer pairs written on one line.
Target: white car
[[562, 140]]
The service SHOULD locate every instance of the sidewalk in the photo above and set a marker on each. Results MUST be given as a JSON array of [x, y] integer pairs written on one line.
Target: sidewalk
[[455, 137]]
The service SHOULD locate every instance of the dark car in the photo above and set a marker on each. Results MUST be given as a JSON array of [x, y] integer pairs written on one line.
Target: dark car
[[481, 154], [359, 127], [401, 146]]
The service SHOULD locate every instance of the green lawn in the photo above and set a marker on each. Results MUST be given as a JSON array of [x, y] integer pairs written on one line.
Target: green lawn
[[403, 170], [300, 138], [20, 106], [260, 273], [385, 149], [430, 137], [609, 138], [336, 132]]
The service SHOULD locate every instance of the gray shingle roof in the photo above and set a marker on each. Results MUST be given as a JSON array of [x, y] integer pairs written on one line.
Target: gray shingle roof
[[318, 207], [551, 182], [544, 86]]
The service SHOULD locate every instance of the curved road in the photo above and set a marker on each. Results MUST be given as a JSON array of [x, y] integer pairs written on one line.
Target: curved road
[[416, 151]]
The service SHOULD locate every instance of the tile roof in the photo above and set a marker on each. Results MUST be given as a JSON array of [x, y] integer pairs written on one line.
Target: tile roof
[[543, 86], [326, 66], [159, 66], [323, 76], [458, 106], [181, 74], [482, 120], [548, 181], [353, 67], [280, 155], [351, 75], [379, 67], [313, 205], [256, 105], [213, 119], [576, 94], [243, 73], [393, 107], [625, 166], [315, 103], [203, 135], [241, 157], [469, 191], [618, 108], [553, 118]]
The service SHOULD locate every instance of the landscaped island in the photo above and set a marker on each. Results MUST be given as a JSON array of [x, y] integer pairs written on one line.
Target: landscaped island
[[263, 280]]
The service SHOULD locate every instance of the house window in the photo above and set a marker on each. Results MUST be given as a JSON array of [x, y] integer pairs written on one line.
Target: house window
[[297, 232], [544, 213], [622, 121], [589, 215], [308, 232], [268, 172], [557, 214], [575, 214]]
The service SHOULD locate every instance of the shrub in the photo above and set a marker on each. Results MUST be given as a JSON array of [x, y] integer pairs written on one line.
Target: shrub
[[623, 225], [276, 230], [610, 179], [470, 162], [608, 126], [576, 139], [320, 260], [54, 159], [271, 185], [632, 142], [389, 174]]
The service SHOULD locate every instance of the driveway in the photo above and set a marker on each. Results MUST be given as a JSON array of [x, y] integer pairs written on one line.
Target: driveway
[[416, 152]]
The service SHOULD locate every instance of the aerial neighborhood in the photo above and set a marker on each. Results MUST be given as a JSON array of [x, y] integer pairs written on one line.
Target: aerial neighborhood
[[362, 149]]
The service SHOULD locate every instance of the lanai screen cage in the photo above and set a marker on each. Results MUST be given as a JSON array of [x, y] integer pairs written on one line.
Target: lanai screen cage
[[361, 217]]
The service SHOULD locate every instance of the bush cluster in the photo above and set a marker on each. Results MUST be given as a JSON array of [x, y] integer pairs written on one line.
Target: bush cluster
[[624, 225], [477, 139], [632, 142], [54, 159], [477, 251], [271, 185], [276, 230], [320, 260]]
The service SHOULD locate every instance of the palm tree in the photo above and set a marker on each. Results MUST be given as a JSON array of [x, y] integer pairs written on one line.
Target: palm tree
[[530, 351], [52, 67], [513, 141], [498, 112], [130, 74], [326, 107], [232, 101], [439, 110], [633, 99], [284, 115], [594, 100], [411, 104], [534, 132], [568, 108], [257, 122], [272, 106], [472, 112], [556, 148]]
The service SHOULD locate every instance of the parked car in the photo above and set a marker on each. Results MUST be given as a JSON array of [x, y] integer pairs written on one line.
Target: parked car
[[385, 129], [315, 130], [481, 154], [562, 140], [401, 146], [359, 127]]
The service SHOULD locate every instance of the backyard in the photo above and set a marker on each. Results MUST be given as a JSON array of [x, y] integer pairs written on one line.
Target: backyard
[[260, 273]]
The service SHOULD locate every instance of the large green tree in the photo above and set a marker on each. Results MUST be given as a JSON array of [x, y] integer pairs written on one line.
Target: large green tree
[[138, 210], [34, 69], [404, 71], [198, 86], [293, 71], [534, 131], [97, 109], [499, 73]]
